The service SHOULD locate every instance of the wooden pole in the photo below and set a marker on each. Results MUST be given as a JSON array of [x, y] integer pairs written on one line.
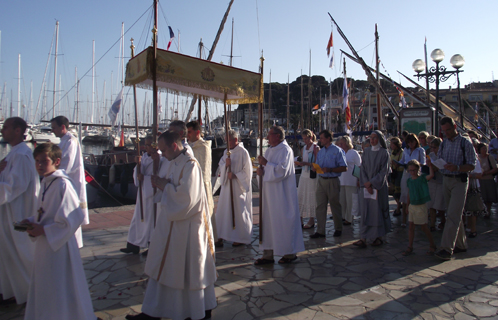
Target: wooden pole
[[140, 188], [260, 123], [155, 164], [227, 128]]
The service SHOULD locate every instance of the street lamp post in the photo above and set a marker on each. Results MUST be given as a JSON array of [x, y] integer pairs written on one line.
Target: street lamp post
[[439, 74]]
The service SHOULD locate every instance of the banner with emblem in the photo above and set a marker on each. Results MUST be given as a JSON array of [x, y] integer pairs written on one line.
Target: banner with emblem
[[178, 73]]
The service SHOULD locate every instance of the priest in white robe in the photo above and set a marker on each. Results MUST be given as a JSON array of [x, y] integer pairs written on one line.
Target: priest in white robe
[[240, 176], [140, 230], [19, 184], [281, 222], [72, 163], [180, 263], [58, 288], [181, 128], [202, 153]]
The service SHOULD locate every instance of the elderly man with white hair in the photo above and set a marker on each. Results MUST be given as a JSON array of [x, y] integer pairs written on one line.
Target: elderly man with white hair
[[281, 222], [234, 223]]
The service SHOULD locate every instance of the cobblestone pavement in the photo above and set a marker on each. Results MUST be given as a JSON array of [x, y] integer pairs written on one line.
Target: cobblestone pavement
[[332, 279]]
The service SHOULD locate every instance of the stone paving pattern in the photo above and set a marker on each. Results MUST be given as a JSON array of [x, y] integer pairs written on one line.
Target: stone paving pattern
[[332, 279]]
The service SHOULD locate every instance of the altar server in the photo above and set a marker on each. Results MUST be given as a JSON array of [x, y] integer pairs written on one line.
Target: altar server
[[140, 231], [58, 287], [72, 163], [19, 184]]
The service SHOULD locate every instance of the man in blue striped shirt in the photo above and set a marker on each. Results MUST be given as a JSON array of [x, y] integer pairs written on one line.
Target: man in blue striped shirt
[[460, 158], [332, 160]]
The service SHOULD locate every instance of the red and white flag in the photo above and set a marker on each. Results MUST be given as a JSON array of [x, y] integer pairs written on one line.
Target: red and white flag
[[330, 44]]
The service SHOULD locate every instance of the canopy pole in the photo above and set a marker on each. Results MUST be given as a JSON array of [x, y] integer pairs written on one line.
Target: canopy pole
[[229, 168], [155, 164], [137, 140], [260, 124]]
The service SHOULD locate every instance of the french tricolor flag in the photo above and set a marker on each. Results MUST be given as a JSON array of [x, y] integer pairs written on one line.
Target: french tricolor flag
[[171, 37]]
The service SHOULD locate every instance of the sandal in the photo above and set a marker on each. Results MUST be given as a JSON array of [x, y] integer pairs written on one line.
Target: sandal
[[407, 252], [262, 261], [308, 226], [360, 243], [377, 242], [286, 260], [431, 251]]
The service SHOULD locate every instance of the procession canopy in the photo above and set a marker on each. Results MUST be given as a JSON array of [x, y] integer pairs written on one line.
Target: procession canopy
[[182, 74]]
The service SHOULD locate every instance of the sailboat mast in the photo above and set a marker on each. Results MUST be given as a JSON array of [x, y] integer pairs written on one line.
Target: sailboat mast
[[377, 76], [309, 97], [231, 47], [77, 97], [301, 121], [154, 76], [30, 105], [211, 53], [199, 111], [55, 65], [19, 87], [288, 105], [93, 79], [269, 103], [122, 72]]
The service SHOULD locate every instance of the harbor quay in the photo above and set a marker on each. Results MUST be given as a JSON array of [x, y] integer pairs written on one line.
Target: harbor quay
[[331, 279]]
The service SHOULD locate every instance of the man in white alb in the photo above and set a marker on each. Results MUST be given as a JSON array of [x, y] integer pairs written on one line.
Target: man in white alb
[[202, 153], [72, 163], [140, 230], [240, 176], [180, 264], [281, 223], [19, 184]]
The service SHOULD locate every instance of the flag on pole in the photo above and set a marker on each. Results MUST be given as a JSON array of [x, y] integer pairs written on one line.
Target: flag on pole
[[171, 37], [330, 44], [476, 117], [345, 101], [116, 106]]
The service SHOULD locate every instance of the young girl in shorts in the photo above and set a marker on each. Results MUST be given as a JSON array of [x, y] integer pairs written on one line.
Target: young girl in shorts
[[418, 196]]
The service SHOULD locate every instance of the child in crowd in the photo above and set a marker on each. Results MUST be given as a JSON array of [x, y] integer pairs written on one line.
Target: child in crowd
[[58, 288], [418, 196], [436, 205]]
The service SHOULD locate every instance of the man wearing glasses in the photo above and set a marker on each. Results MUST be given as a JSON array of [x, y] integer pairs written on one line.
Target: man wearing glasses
[[332, 160], [460, 158]]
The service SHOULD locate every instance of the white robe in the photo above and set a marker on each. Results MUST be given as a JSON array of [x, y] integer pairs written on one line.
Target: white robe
[[202, 153], [141, 231], [58, 287], [241, 168], [72, 163], [19, 184], [282, 231], [181, 270]]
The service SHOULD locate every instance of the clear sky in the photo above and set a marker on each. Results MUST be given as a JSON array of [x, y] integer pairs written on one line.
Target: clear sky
[[286, 31]]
